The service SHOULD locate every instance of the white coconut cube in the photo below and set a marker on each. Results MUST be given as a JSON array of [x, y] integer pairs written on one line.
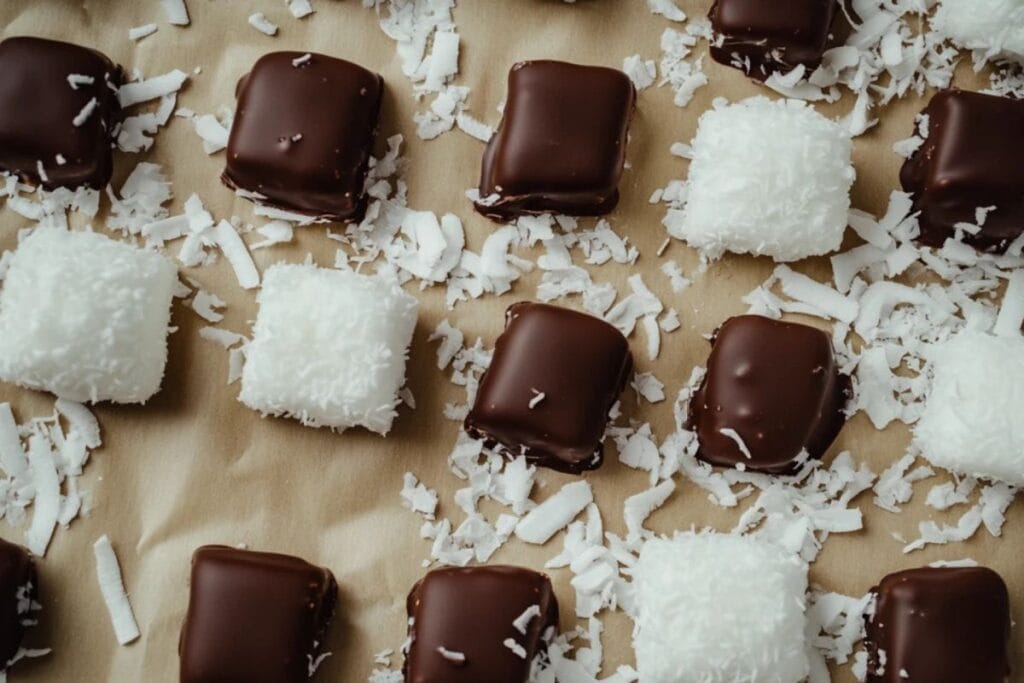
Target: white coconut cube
[[85, 317], [995, 27], [719, 608], [972, 422], [329, 347], [769, 178]]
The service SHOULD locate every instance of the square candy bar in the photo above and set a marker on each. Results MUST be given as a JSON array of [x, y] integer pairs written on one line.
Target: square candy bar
[[254, 617], [17, 592], [328, 347], [474, 624], [46, 121], [561, 144], [554, 377], [763, 36], [940, 625], [303, 133], [774, 386], [86, 317], [972, 159]]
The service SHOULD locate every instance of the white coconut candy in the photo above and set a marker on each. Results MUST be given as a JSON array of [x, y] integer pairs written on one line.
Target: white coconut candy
[[970, 424], [176, 12], [555, 513], [85, 317], [768, 178], [719, 608], [329, 347], [108, 572], [994, 28]]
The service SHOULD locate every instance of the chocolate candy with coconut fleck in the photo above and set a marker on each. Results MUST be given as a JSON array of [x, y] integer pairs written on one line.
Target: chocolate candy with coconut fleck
[[561, 144], [473, 614], [970, 160], [39, 108], [553, 379], [18, 588], [940, 625], [303, 132], [254, 617], [763, 37], [774, 385]]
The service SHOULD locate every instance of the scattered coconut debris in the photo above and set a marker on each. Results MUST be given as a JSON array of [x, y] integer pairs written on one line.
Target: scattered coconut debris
[[206, 304], [300, 8], [137, 33], [260, 22], [667, 9], [648, 387], [227, 239], [108, 572], [684, 77], [418, 497], [176, 11], [555, 513], [136, 92], [642, 72]]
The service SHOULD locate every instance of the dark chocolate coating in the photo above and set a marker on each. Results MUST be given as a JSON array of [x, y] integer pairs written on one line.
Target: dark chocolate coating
[[334, 105], [973, 157], [17, 571], [38, 107], [471, 610], [561, 144], [254, 617], [940, 625], [777, 385], [774, 36], [580, 363]]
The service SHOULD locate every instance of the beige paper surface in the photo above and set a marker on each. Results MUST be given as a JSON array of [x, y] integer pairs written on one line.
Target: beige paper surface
[[195, 466]]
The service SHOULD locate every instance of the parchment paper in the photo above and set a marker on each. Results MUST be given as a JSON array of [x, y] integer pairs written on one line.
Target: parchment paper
[[195, 466]]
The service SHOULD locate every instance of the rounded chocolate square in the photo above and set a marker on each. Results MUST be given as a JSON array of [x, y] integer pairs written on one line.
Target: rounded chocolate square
[[18, 583], [553, 379], [773, 36], [972, 159], [39, 107], [481, 616], [561, 144], [940, 625], [303, 133], [254, 617], [773, 385]]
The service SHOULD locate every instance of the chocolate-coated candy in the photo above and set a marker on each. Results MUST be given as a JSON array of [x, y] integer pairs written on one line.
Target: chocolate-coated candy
[[940, 625], [303, 133], [776, 385], [254, 617], [578, 362], [561, 144], [763, 36], [472, 612], [38, 109], [18, 587], [972, 159]]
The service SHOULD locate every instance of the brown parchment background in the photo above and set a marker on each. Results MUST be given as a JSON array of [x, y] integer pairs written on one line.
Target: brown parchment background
[[195, 466]]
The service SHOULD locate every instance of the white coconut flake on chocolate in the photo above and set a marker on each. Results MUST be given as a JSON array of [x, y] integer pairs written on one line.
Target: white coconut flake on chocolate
[[108, 572], [259, 21], [751, 188], [329, 347], [176, 12], [300, 8], [522, 622], [75, 80], [85, 317], [82, 116], [137, 33], [692, 593], [555, 513], [969, 425], [451, 655]]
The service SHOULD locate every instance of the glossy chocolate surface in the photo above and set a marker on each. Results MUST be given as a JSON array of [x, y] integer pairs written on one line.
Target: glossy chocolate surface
[[972, 158], [38, 108], [772, 36], [940, 625], [303, 134], [777, 385], [580, 363], [253, 617], [472, 611], [17, 580], [561, 144]]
